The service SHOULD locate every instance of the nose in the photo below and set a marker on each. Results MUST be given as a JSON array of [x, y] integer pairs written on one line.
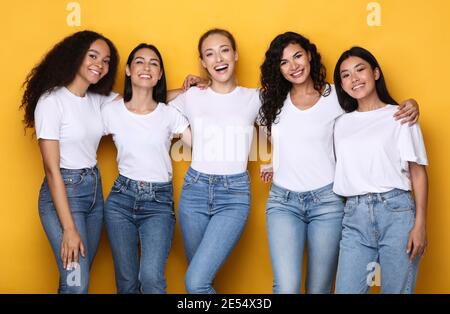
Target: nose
[[219, 57], [354, 78]]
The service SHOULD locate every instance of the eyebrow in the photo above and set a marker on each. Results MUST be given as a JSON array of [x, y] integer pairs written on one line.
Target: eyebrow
[[95, 51], [151, 59], [299, 51], [353, 67], [219, 47]]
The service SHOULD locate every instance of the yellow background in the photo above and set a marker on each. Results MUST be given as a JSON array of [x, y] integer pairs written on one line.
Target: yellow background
[[412, 45]]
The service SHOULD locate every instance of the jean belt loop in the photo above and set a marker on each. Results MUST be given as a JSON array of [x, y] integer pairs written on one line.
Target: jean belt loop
[[197, 176], [357, 199], [225, 182], [286, 196]]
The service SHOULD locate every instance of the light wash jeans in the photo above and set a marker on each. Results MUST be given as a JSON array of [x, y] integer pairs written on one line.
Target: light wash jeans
[[294, 219], [141, 214], [84, 192], [212, 213], [376, 232]]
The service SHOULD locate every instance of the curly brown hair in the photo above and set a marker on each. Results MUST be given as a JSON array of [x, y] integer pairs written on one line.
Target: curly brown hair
[[274, 87], [59, 67]]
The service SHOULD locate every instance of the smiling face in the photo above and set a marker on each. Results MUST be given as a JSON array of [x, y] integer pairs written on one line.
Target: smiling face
[[144, 69], [358, 78], [295, 64], [95, 64], [218, 58]]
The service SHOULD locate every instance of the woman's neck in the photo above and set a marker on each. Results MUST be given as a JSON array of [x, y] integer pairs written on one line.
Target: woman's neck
[[142, 100], [78, 86], [304, 89], [370, 102], [224, 87]]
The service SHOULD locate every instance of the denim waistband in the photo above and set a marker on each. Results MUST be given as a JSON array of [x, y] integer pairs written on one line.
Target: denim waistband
[[313, 193], [80, 171], [135, 185], [380, 197], [217, 178]]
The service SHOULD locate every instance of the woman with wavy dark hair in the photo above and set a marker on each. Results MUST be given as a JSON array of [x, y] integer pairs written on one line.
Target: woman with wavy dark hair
[[139, 212], [299, 110], [379, 163], [62, 100]]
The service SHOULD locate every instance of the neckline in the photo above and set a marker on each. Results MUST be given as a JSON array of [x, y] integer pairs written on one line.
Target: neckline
[[145, 115], [291, 103], [372, 111], [223, 94], [67, 91]]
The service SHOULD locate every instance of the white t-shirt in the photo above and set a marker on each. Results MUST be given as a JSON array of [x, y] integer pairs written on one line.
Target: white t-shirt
[[143, 141], [302, 144], [373, 151], [222, 127], [75, 122]]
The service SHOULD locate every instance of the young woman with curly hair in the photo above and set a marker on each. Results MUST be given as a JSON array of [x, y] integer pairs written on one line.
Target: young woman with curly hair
[[379, 163], [299, 110], [139, 211], [62, 100]]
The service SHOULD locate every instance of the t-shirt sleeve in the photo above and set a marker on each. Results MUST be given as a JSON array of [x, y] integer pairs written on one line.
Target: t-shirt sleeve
[[411, 145], [179, 123], [256, 105], [105, 119], [179, 103], [48, 118], [101, 100]]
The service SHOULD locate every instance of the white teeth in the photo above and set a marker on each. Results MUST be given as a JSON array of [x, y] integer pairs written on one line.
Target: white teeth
[[298, 73], [95, 72], [144, 76], [220, 68], [358, 86]]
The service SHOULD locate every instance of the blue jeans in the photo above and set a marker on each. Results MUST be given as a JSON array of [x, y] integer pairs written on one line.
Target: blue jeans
[[375, 236], [84, 193], [293, 219], [138, 212], [213, 212]]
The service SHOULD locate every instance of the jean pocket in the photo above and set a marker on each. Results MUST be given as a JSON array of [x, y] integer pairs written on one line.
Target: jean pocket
[[350, 208], [72, 180], [164, 197], [188, 181], [239, 187], [117, 187], [400, 203]]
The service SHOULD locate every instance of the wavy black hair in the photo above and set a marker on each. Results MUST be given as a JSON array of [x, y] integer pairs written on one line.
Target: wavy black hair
[[349, 103], [60, 66], [160, 90], [274, 87]]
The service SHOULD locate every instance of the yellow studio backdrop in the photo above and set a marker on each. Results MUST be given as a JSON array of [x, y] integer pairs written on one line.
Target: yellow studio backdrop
[[409, 37]]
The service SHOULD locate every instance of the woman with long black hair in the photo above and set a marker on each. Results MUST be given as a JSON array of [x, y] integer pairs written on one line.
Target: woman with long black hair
[[139, 211], [379, 163]]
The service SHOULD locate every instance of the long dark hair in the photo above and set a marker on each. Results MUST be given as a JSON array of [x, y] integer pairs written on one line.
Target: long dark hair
[[349, 103], [60, 66], [160, 90], [274, 87]]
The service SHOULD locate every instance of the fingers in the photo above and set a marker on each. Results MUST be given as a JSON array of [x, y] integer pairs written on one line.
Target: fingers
[[82, 249], [409, 245], [64, 255]]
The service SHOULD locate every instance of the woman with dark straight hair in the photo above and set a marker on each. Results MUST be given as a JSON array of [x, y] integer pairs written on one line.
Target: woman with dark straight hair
[[379, 163], [139, 212], [62, 100]]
